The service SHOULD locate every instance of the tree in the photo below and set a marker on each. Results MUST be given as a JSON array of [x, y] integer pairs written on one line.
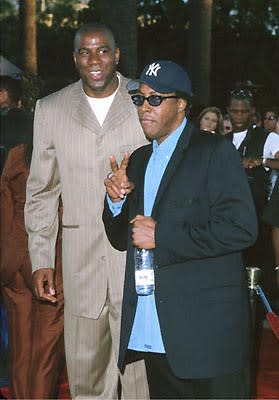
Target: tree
[[123, 22], [28, 38], [199, 48]]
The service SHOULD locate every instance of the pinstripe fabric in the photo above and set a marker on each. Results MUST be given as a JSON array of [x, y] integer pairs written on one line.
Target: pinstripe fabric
[[70, 156]]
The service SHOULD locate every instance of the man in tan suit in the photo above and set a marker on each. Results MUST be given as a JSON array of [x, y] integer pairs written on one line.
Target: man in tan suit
[[75, 130]]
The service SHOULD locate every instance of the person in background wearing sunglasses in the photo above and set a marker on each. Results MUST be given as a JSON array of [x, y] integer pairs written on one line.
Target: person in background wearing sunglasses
[[270, 118], [184, 196]]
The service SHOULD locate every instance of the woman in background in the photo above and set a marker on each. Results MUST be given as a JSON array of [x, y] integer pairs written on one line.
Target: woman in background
[[35, 328], [211, 120]]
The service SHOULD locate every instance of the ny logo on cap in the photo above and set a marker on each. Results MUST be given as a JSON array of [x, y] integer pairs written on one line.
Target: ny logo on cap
[[153, 69]]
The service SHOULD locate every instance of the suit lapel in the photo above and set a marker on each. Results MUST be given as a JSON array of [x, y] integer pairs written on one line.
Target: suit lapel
[[86, 117], [177, 156], [118, 109], [83, 113]]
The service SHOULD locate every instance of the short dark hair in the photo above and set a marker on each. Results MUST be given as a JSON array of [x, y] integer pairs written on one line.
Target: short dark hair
[[95, 27], [241, 94], [12, 86]]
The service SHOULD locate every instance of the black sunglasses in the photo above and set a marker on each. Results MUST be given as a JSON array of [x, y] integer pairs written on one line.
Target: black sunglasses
[[154, 100], [241, 93], [270, 117]]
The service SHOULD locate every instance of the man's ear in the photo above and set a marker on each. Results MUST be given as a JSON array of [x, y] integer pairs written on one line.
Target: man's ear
[[182, 104], [75, 60], [117, 55]]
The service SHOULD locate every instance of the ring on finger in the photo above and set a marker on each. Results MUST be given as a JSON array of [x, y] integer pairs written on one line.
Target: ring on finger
[[110, 175]]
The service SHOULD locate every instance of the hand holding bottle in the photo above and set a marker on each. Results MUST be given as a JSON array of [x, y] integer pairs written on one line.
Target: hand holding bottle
[[143, 232]]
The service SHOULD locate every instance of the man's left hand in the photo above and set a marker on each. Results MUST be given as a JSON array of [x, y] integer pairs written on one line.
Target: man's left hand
[[143, 232]]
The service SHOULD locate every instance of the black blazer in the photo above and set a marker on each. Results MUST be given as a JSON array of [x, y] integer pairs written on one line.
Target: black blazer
[[258, 178], [205, 217]]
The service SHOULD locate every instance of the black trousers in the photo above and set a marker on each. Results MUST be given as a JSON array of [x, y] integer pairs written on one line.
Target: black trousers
[[163, 384]]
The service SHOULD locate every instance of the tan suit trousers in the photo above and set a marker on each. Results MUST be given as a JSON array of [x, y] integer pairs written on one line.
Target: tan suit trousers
[[91, 361]]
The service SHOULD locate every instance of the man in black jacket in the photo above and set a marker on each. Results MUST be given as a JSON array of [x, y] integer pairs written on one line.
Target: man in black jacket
[[184, 196], [255, 146]]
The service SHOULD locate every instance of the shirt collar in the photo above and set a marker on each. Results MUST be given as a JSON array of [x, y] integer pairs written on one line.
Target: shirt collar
[[168, 145]]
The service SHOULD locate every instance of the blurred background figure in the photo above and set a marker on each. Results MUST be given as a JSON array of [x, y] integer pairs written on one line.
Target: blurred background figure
[[35, 329], [227, 124], [16, 123], [271, 218], [252, 145], [211, 120], [9, 94], [270, 119], [257, 119]]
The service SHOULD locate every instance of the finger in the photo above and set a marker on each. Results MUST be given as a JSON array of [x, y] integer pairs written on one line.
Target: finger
[[137, 218], [40, 287], [113, 190], [113, 164], [51, 285], [125, 161], [44, 287], [112, 185], [48, 297], [127, 189]]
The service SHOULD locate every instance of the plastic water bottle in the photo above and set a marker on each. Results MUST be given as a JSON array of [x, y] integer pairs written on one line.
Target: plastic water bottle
[[144, 271]]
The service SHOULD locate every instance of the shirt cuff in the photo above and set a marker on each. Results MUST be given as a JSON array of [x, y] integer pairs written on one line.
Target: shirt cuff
[[115, 207]]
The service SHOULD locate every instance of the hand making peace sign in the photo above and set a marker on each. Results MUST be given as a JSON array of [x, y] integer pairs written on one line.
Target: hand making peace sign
[[117, 183]]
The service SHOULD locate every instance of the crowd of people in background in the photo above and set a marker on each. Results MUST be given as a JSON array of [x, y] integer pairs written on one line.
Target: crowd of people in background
[[37, 354]]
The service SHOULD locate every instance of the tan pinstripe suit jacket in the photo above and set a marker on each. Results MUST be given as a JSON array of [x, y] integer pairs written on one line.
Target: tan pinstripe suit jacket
[[70, 156]]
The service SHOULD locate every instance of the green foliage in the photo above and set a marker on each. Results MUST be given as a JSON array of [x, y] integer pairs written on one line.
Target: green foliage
[[7, 9], [62, 13], [244, 35], [242, 18]]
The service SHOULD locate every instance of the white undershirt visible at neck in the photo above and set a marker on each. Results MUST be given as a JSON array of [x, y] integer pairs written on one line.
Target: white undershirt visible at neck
[[101, 106], [239, 137]]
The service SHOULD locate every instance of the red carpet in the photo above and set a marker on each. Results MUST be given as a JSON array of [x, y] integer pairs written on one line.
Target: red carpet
[[267, 383]]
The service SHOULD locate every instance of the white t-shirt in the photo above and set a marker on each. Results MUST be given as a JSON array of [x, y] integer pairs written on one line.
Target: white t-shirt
[[271, 146], [101, 106], [238, 138]]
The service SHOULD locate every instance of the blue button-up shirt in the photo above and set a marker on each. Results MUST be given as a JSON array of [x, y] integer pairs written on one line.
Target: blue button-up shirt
[[146, 333]]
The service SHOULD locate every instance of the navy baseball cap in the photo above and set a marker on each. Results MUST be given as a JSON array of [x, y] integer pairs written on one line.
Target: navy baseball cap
[[165, 77]]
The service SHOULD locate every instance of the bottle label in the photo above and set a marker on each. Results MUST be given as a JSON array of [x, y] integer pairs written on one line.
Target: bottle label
[[144, 277]]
